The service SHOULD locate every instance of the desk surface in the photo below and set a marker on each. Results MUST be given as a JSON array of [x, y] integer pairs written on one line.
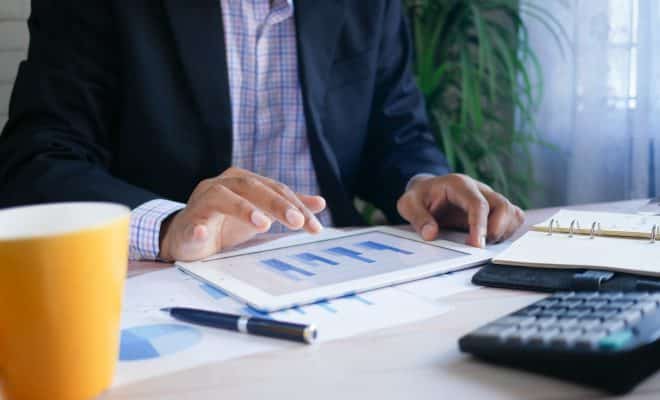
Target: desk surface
[[414, 361]]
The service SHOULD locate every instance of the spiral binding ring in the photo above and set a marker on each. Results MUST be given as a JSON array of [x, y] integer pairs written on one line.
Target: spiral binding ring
[[554, 224], [595, 229], [654, 232], [571, 228]]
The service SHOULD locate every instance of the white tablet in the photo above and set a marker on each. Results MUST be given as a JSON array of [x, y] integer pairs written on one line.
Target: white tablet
[[305, 269]]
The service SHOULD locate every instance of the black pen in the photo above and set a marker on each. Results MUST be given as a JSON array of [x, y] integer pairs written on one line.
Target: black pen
[[245, 324]]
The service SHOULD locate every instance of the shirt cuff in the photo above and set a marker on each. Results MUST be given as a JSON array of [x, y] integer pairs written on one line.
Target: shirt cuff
[[423, 175], [145, 227]]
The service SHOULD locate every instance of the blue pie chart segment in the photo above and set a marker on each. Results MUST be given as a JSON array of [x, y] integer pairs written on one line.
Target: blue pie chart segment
[[153, 341]]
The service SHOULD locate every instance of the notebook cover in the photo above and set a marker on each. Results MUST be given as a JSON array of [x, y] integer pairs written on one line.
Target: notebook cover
[[553, 279]]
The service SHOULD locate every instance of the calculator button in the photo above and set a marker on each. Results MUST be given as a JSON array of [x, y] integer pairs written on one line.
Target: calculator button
[[589, 323], [654, 297], [582, 308], [521, 336], [544, 336], [630, 317], [513, 320], [604, 313], [570, 303], [621, 304], [610, 295], [549, 314], [565, 339], [589, 339], [595, 303], [575, 313], [635, 296], [644, 306], [608, 309], [613, 325], [546, 303], [616, 341], [597, 330], [492, 332], [529, 311], [544, 322], [565, 323], [585, 295], [563, 295]]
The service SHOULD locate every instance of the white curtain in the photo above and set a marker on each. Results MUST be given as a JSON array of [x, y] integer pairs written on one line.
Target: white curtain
[[601, 101]]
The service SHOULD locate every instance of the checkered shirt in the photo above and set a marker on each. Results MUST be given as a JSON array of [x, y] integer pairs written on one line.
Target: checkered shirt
[[269, 131]]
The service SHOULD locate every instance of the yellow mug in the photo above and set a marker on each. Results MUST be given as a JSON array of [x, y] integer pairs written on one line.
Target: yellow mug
[[62, 272]]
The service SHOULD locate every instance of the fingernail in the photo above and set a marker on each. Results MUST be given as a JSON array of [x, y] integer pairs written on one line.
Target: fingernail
[[294, 217], [482, 242], [199, 232], [315, 225], [427, 231], [259, 219]]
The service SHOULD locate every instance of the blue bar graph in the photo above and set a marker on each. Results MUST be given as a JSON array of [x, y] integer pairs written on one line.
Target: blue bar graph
[[247, 310], [363, 300], [379, 246], [355, 296], [215, 293], [286, 268], [313, 260], [343, 251], [324, 304], [299, 310]]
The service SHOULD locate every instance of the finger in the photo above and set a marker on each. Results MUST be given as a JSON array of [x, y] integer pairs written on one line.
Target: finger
[[267, 200], [499, 222], [412, 209], [219, 199], [502, 214], [315, 204], [516, 222], [310, 223], [466, 195]]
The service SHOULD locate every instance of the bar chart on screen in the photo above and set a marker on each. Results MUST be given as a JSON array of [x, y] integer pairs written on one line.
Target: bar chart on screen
[[339, 254], [303, 267]]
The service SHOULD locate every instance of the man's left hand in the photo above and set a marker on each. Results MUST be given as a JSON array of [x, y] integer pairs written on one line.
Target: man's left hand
[[458, 201]]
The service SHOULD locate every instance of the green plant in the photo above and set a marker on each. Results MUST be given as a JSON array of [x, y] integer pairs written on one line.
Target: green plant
[[482, 83]]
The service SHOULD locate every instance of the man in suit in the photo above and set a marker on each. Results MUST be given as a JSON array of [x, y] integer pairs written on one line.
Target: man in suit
[[215, 119]]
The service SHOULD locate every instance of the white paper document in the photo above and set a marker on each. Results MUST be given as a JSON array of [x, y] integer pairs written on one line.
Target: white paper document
[[438, 287], [538, 249], [155, 344]]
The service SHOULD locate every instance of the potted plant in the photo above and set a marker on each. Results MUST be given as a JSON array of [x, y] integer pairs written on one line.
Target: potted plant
[[482, 83]]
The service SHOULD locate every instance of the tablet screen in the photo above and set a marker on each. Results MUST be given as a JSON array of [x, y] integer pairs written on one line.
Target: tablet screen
[[305, 266]]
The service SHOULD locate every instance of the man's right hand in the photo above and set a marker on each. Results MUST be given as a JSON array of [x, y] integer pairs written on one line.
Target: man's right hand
[[230, 209]]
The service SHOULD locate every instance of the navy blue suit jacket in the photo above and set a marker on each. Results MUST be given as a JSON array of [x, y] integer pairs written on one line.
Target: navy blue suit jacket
[[128, 101]]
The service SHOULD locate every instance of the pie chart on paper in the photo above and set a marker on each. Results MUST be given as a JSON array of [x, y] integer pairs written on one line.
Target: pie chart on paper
[[154, 341]]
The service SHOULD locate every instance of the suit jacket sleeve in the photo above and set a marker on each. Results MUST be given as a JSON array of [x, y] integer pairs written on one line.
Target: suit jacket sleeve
[[57, 143], [400, 143]]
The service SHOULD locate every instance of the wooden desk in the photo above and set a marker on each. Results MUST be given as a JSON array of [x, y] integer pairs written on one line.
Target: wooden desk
[[415, 361]]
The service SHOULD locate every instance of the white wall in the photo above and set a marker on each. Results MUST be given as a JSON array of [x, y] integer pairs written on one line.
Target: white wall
[[13, 45]]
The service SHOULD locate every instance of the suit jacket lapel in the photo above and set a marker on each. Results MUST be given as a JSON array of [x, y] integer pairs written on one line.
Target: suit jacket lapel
[[318, 25], [199, 35]]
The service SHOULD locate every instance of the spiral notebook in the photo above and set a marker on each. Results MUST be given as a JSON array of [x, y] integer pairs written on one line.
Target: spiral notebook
[[627, 243]]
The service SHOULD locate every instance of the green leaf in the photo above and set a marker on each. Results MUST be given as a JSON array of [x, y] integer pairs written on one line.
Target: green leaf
[[482, 83]]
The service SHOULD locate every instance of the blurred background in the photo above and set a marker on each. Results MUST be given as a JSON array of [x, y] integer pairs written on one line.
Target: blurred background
[[551, 102], [13, 46]]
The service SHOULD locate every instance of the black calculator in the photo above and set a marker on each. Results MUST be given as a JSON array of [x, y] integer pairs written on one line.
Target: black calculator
[[609, 340]]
